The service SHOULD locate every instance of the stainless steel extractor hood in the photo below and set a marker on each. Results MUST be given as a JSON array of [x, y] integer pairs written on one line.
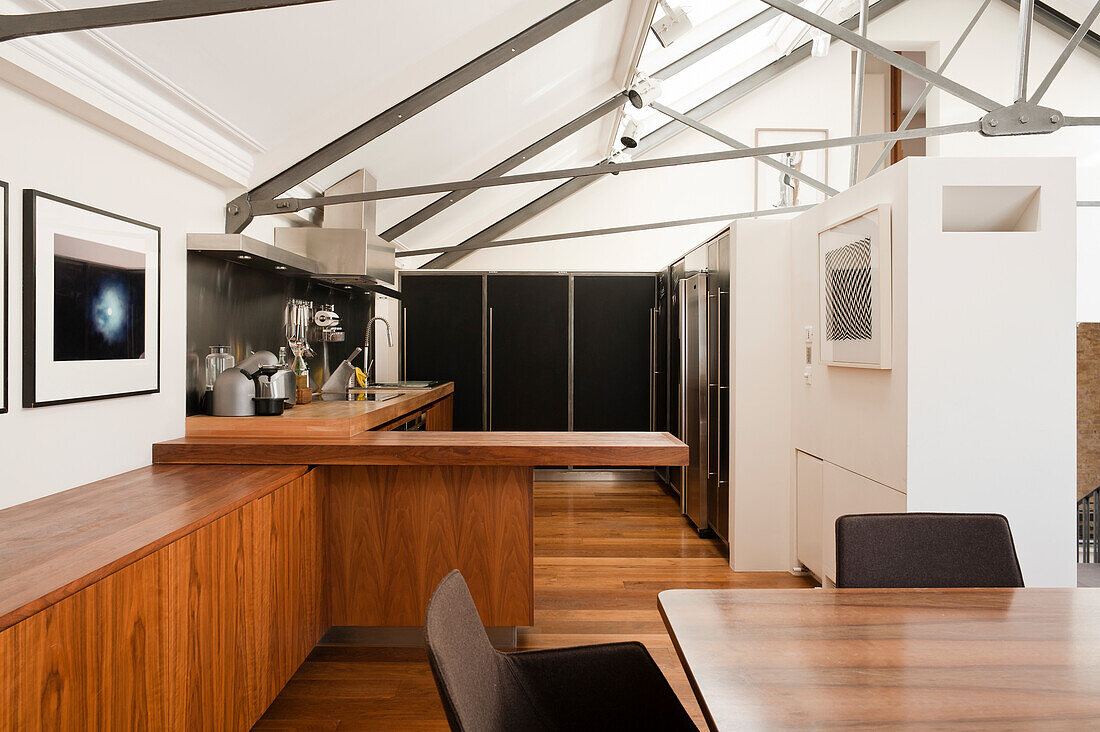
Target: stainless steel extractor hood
[[341, 252], [346, 246]]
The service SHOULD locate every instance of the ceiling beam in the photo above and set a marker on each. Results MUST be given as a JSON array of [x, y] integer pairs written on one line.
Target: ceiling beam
[[928, 87], [1061, 24], [666, 132], [511, 221], [1044, 15], [290, 205], [673, 68], [1075, 40], [453, 197], [113, 16], [492, 244], [239, 211], [882, 53]]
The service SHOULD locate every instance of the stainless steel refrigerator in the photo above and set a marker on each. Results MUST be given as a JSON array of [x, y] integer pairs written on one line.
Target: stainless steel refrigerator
[[694, 399]]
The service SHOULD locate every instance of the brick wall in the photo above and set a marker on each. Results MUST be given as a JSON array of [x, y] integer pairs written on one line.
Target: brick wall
[[1088, 407]]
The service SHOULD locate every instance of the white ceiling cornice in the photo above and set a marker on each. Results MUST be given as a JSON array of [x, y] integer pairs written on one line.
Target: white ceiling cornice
[[91, 68]]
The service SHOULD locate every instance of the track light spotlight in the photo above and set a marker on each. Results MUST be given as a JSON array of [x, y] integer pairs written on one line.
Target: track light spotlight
[[644, 91], [628, 133], [617, 158], [672, 26]]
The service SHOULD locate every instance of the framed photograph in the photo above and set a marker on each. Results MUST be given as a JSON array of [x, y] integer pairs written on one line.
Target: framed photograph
[[775, 189], [91, 303], [3, 297], [855, 263]]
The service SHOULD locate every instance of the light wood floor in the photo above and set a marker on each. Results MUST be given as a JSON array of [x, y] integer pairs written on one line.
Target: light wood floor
[[602, 553]]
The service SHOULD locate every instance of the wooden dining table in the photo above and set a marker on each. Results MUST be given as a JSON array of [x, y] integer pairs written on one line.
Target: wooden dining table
[[885, 659]]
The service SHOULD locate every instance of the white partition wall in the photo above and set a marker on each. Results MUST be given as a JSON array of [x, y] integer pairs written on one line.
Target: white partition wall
[[978, 409], [760, 434]]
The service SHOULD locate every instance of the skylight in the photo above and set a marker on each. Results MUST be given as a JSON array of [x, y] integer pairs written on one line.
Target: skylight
[[711, 74]]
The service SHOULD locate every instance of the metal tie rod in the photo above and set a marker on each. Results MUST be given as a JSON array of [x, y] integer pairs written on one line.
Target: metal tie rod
[[719, 101], [441, 204], [473, 246], [1074, 42], [881, 52], [857, 96], [1023, 48], [111, 16], [738, 145], [290, 205], [240, 211], [929, 87]]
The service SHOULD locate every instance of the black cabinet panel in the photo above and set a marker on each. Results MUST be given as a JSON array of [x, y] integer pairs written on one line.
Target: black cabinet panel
[[443, 338], [529, 362], [612, 347]]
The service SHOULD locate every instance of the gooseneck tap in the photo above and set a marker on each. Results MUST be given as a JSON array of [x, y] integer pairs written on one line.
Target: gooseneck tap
[[370, 332]]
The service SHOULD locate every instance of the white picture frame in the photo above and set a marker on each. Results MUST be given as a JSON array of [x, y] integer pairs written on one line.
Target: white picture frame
[[770, 183], [854, 267], [91, 303]]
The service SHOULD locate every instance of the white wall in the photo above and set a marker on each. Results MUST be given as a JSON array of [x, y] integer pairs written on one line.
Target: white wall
[[816, 94], [992, 336], [50, 449], [760, 396], [852, 417], [978, 412]]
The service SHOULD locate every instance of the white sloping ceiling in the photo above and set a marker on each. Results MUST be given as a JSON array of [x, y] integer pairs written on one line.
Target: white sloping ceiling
[[290, 80]]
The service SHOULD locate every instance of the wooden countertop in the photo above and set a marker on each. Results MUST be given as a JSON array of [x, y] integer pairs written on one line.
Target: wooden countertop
[[320, 418], [887, 659], [56, 546], [433, 448]]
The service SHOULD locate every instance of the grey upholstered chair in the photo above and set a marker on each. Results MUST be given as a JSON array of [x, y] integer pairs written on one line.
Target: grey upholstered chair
[[605, 687], [926, 550]]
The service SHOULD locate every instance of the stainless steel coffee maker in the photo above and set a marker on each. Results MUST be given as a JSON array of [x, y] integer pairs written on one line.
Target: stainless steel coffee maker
[[235, 390]]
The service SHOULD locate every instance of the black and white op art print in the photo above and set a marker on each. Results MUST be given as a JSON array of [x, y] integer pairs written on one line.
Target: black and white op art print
[[855, 266], [91, 303]]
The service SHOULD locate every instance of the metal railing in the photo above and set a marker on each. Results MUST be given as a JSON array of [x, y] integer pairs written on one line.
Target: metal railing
[[1087, 548]]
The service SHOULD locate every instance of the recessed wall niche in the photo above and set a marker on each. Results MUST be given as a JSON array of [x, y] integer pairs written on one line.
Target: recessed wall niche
[[991, 208]]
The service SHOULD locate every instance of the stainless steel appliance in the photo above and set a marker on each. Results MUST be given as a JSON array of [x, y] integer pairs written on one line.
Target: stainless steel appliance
[[234, 389], [699, 372], [695, 398]]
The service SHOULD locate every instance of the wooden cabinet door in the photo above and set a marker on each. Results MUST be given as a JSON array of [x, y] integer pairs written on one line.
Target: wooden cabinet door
[[442, 338], [95, 660], [529, 352]]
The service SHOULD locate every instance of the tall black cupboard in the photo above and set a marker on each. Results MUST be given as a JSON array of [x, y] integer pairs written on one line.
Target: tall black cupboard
[[537, 351]]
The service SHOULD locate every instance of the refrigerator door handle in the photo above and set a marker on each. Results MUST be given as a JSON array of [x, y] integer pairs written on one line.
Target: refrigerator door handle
[[489, 416], [652, 369]]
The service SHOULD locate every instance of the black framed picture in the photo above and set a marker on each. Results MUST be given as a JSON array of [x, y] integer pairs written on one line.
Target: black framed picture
[[3, 297], [91, 303]]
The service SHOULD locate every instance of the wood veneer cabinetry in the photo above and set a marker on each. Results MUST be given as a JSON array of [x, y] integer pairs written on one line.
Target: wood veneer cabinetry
[[392, 533], [200, 634], [99, 659], [246, 607]]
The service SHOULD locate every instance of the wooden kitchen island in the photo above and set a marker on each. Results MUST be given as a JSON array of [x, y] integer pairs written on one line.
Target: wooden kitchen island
[[401, 509], [184, 595]]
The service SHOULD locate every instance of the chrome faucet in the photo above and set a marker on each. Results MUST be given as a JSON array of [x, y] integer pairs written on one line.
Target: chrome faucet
[[370, 331]]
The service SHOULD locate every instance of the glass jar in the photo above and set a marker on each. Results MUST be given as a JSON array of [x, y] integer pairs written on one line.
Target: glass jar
[[219, 359]]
